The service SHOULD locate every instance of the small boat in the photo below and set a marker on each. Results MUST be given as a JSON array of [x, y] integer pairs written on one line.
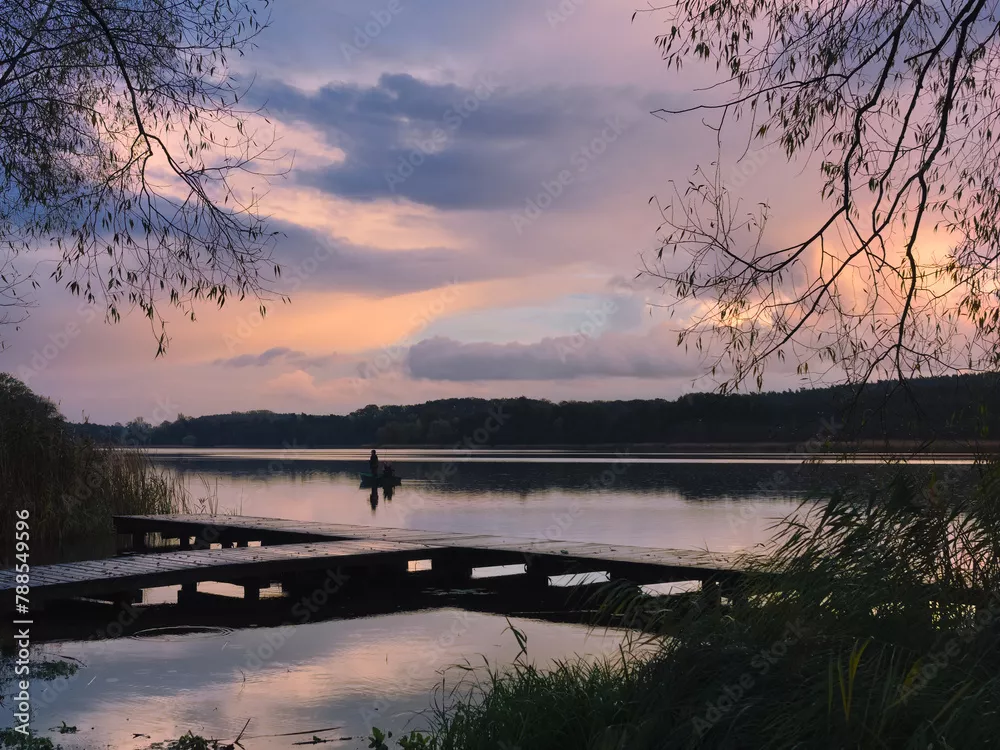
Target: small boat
[[367, 480]]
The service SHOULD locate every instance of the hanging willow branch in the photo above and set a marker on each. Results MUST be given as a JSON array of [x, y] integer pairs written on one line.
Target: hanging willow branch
[[121, 134], [899, 275]]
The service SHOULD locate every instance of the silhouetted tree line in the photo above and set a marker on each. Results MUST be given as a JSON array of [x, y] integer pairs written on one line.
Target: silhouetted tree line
[[959, 407]]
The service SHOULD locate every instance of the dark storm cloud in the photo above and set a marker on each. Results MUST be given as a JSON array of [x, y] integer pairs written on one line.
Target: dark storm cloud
[[448, 146], [566, 357]]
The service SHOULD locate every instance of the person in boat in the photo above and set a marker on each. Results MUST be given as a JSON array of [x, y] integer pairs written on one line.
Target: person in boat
[[373, 464], [387, 472]]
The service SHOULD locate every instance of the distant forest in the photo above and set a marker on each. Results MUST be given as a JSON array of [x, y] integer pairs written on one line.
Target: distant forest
[[958, 408]]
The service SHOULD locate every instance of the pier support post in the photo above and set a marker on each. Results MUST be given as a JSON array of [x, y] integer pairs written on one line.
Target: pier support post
[[251, 589], [187, 593], [536, 576], [458, 576], [736, 594], [711, 594], [185, 542], [453, 568], [121, 598], [383, 574]]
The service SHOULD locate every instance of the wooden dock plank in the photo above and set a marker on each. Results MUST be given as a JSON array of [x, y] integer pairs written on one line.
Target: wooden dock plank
[[172, 568], [303, 546], [675, 558]]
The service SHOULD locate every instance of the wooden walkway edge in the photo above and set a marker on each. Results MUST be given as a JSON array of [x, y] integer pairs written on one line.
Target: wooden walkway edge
[[242, 529], [302, 553]]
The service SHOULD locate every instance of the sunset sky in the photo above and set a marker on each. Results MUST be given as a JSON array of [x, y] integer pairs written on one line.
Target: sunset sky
[[413, 281]]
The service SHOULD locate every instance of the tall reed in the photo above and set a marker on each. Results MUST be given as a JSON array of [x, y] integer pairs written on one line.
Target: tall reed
[[874, 623], [70, 487]]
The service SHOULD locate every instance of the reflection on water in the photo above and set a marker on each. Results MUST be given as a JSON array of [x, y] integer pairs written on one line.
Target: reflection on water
[[355, 673], [549, 456], [175, 632], [721, 504], [348, 674]]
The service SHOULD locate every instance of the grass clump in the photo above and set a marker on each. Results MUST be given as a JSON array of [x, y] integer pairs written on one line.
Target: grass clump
[[10, 738], [873, 624], [70, 487], [188, 741], [53, 669]]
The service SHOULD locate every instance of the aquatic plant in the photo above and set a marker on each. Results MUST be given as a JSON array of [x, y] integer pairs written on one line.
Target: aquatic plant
[[48, 669], [873, 623], [70, 487], [10, 738], [188, 741], [378, 740], [415, 740]]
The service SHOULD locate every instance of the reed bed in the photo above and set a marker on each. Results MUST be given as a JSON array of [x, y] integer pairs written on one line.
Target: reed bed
[[70, 486], [874, 624]]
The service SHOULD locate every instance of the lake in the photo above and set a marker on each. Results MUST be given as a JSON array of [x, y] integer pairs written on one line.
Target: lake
[[383, 670]]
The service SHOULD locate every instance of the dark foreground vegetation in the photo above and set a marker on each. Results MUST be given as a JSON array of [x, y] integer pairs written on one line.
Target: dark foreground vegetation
[[69, 486], [875, 626], [958, 408]]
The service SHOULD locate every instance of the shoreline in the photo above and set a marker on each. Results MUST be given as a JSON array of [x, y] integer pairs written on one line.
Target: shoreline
[[871, 446]]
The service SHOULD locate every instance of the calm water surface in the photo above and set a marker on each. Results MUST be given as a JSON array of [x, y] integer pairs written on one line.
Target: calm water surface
[[383, 670], [722, 502]]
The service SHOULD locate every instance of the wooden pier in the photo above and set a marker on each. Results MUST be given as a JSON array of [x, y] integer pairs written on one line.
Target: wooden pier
[[256, 552]]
